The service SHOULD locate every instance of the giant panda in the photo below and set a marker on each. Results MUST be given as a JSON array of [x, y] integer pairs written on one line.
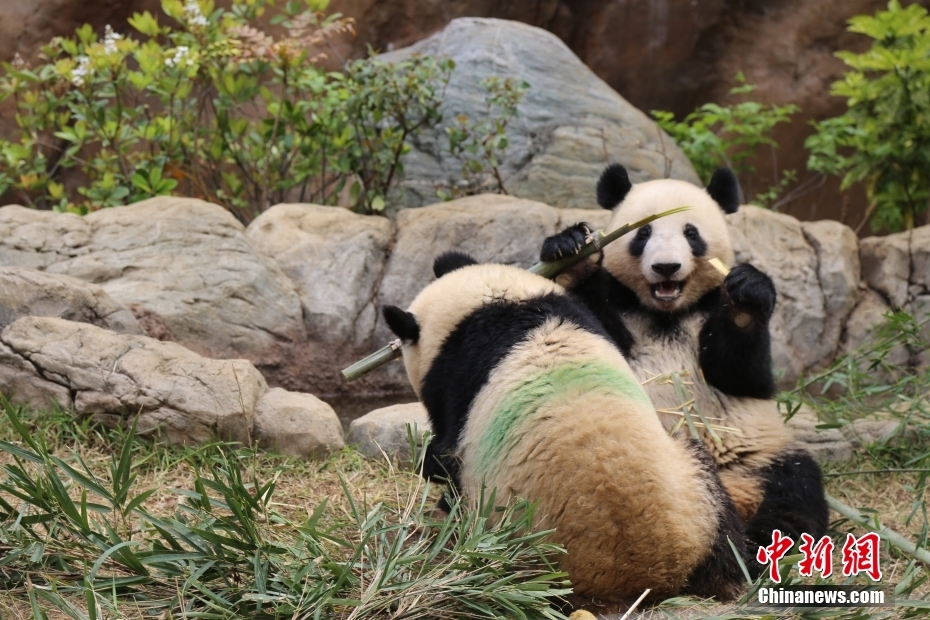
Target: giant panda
[[669, 310], [527, 395]]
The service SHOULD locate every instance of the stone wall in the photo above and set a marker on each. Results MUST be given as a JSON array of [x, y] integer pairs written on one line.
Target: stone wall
[[298, 292]]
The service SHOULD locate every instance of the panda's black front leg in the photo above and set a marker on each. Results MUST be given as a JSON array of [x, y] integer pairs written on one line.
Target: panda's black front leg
[[735, 354]]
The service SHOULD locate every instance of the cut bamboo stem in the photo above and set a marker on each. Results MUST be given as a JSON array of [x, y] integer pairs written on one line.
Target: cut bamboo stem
[[546, 269], [894, 538]]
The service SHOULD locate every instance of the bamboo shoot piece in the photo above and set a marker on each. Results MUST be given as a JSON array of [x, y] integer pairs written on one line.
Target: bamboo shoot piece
[[547, 269]]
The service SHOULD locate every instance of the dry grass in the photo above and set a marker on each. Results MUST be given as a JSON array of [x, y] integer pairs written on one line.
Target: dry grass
[[303, 485]]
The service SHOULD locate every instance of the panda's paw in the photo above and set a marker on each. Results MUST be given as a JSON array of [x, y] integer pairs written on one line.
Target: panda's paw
[[751, 291], [566, 243]]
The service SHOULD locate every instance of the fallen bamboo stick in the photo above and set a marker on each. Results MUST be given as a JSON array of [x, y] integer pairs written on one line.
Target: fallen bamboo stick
[[546, 269], [894, 538]]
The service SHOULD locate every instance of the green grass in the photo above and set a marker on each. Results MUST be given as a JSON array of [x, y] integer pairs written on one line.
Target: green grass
[[96, 523]]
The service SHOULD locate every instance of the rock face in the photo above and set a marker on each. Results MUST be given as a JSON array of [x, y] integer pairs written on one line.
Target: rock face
[[26, 292], [106, 374], [384, 431], [840, 444], [816, 274], [190, 398], [299, 292], [321, 249], [182, 266], [571, 124], [897, 268]]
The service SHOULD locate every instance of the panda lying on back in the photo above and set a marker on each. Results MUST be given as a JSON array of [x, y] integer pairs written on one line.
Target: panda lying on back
[[669, 310], [501, 359]]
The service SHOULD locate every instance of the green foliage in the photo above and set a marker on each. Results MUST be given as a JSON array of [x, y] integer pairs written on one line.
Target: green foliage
[[214, 108], [883, 137], [715, 135], [481, 144], [873, 379], [81, 540]]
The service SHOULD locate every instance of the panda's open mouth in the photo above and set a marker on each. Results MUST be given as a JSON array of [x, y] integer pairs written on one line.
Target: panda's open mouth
[[669, 290]]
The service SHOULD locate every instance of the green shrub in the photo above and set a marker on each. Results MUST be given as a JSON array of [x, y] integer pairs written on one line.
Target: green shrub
[[213, 107], [883, 137], [715, 135]]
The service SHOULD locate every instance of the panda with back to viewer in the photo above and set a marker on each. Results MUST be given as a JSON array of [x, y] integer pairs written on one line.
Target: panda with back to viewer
[[669, 310], [500, 358]]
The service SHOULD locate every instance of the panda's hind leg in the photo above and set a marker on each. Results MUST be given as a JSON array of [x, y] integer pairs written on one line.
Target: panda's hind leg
[[719, 575], [793, 500]]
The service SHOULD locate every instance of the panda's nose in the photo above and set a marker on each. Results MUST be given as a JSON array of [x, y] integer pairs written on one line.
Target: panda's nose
[[666, 269]]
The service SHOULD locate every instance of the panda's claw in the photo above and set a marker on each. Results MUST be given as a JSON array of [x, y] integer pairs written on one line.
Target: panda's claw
[[566, 243], [751, 290]]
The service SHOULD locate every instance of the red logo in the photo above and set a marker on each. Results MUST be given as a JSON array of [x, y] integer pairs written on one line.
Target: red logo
[[860, 555], [774, 552], [817, 557]]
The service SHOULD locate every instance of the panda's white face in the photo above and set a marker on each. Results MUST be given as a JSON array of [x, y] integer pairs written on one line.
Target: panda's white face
[[666, 263]]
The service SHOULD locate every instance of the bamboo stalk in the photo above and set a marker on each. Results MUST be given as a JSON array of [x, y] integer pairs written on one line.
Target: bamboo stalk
[[894, 538], [546, 269], [382, 356]]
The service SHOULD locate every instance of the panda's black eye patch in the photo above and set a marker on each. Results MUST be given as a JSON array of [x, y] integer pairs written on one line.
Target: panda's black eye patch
[[695, 240], [638, 244]]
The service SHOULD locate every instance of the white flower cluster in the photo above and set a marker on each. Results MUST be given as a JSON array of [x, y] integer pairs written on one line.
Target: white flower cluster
[[80, 71], [193, 14], [181, 57], [109, 40]]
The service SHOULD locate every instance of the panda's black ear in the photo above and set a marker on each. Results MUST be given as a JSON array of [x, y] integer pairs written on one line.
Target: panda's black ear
[[402, 323], [613, 186], [450, 261], [724, 189]]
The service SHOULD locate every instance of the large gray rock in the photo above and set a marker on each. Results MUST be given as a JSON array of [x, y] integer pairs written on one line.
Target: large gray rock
[[297, 424], [816, 278], [335, 258], [113, 376], [886, 265], [898, 268], [838, 273], [384, 431], [866, 316], [27, 292], [840, 444], [490, 228], [570, 124], [182, 266]]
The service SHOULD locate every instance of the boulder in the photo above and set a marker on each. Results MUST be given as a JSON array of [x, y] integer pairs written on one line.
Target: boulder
[[27, 292], [296, 424], [185, 269], [816, 282], [840, 444], [112, 376], [897, 267], [838, 273], [570, 123], [384, 431], [886, 265], [321, 249]]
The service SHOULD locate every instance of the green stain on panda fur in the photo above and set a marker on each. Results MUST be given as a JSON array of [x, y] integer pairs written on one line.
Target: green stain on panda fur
[[504, 428]]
